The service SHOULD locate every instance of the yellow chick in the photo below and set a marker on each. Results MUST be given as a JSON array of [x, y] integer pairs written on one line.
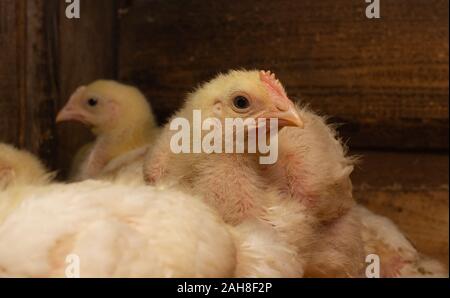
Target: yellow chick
[[230, 182], [122, 121], [18, 169]]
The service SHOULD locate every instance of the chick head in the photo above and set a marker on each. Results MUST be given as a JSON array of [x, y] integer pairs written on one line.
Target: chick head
[[17, 166], [105, 106], [245, 94]]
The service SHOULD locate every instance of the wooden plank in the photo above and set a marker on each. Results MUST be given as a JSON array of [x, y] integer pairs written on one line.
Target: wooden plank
[[386, 78], [87, 52], [421, 215], [39, 81], [11, 24], [27, 89], [409, 171], [412, 190]]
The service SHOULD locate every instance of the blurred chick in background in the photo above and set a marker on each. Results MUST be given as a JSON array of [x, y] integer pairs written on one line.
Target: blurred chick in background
[[18, 169], [116, 230], [122, 121]]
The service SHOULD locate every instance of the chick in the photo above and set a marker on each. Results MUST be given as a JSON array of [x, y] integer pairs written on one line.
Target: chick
[[317, 215], [122, 121], [113, 230], [19, 167], [231, 183], [238, 189]]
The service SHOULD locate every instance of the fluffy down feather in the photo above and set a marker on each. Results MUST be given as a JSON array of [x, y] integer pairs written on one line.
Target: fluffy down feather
[[231, 183], [314, 171], [116, 230], [19, 167]]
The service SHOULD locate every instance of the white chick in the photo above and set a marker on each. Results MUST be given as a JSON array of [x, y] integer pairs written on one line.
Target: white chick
[[113, 230], [231, 182]]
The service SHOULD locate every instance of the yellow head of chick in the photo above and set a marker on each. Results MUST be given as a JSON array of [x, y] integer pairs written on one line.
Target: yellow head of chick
[[20, 167], [245, 94], [108, 106]]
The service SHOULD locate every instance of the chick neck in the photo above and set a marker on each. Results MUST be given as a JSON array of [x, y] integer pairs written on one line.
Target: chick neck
[[116, 142], [122, 140]]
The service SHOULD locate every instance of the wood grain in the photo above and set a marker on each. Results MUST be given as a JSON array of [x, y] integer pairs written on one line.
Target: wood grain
[[421, 215], [386, 79], [39, 89], [27, 88], [412, 190], [11, 23], [45, 56]]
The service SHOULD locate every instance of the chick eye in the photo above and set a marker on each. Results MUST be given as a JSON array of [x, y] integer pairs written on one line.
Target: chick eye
[[92, 102], [241, 102]]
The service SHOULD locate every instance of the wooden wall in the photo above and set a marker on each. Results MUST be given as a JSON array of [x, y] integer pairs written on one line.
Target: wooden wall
[[385, 79], [44, 57]]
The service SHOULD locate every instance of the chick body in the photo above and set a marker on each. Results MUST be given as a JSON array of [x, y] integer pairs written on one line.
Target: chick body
[[115, 230]]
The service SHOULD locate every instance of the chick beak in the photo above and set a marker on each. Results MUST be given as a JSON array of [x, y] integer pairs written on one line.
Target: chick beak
[[70, 113], [290, 118], [287, 116]]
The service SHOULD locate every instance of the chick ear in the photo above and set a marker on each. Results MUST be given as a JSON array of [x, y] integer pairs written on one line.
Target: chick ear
[[217, 109]]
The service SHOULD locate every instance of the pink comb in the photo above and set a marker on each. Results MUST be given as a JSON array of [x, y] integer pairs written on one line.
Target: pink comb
[[274, 87], [269, 78]]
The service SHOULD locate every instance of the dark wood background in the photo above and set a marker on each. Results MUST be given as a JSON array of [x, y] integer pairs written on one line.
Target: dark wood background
[[385, 80]]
